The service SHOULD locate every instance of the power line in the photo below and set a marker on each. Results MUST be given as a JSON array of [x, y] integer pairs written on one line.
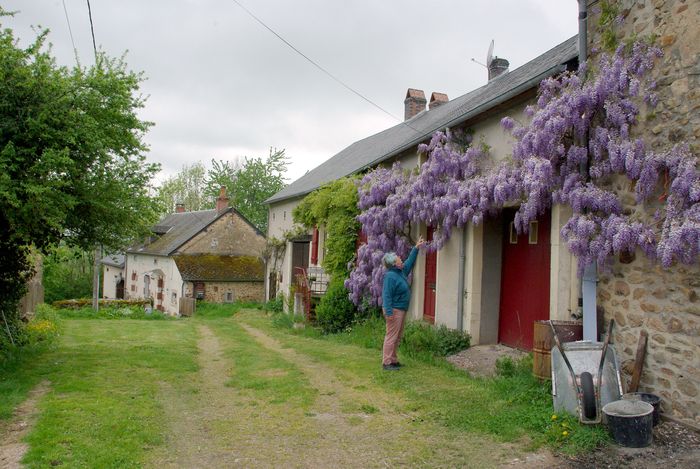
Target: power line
[[315, 64], [70, 31], [92, 30]]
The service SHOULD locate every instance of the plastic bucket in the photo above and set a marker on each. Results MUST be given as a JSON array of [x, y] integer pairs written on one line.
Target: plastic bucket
[[652, 399], [543, 340], [630, 422]]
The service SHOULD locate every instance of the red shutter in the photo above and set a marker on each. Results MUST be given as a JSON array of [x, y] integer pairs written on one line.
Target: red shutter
[[314, 246], [361, 239]]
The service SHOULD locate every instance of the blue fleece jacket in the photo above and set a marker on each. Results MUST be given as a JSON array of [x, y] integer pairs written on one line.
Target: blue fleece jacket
[[396, 292]]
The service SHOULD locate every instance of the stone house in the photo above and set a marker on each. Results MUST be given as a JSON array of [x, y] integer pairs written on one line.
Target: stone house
[[213, 255], [640, 295], [461, 285], [113, 277], [476, 282]]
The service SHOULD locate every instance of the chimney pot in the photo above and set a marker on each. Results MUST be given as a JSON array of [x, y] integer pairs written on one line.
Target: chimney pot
[[222, 201], [437, 99], [414, 103], [498, 67], [179, 208]]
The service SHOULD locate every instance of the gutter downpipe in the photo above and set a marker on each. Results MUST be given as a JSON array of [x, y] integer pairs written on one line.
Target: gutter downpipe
[[590, 273], [460, 281]]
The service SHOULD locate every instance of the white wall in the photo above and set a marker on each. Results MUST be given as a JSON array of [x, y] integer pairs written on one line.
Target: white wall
[[146, 264], [110, 277]]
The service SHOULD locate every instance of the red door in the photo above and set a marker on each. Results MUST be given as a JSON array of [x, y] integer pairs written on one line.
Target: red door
[[430, 279], [524, 281]]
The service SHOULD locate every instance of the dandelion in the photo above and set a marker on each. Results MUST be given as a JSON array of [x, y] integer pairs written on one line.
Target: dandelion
[[564, 433], [554, 417]]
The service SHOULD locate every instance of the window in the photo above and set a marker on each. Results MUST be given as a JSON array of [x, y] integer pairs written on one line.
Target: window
[[285, 215], [155, 261], [173, 298], [216, 289], [146, 286], [273, 215], [532, 239], [229, 297]]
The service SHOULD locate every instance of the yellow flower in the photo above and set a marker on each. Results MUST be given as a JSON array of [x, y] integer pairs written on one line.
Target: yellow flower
[[564, 433], [554, 417]]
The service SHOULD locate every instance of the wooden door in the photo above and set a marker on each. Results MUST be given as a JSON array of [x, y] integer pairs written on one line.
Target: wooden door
[[524, 281], [430, 282], [120, 289], [300, 255]]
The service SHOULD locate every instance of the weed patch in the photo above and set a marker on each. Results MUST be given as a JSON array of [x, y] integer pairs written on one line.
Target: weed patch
[[207, 310]]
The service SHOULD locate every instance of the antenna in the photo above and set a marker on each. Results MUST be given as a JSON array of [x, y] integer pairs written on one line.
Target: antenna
[[489, 55]]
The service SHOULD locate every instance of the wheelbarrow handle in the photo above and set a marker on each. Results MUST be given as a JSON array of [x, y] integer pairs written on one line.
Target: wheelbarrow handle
[[557, 343], [603, 352]]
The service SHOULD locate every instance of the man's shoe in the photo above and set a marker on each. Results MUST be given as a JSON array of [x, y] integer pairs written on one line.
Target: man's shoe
[[397, 364], [390, 367]]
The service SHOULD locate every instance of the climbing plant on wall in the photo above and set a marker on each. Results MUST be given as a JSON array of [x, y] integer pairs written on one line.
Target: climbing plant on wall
[[581, 120], [333, 207]]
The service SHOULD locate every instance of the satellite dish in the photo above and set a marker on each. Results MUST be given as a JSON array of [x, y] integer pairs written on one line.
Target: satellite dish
[[489, 55]]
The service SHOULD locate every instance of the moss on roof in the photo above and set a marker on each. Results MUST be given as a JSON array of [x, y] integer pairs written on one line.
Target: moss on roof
[[221, 268]]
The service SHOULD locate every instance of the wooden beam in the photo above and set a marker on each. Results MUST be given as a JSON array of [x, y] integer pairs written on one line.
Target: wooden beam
[[638, 362]]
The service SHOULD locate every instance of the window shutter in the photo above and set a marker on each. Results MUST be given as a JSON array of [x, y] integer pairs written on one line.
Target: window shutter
[[314, 246]]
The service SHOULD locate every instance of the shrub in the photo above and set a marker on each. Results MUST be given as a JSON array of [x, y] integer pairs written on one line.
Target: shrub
[[110, 312], [421, 338], [335, 311], [286, 321], [84, 302], [276, 305]]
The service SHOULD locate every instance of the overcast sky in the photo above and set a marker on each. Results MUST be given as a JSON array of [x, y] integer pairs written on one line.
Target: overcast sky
[[221, 86]]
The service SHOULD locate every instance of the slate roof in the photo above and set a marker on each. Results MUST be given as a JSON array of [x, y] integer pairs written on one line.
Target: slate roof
[[220, 268], [384, 145], [183, 226], [115, 260]]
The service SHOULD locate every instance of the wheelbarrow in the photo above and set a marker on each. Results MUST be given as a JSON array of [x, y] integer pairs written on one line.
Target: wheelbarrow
[[585, 377]]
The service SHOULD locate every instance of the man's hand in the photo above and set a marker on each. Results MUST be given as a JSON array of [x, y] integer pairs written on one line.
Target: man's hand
[[420, 242]]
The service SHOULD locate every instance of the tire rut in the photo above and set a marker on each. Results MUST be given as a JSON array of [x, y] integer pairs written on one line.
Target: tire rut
[[12, 447]]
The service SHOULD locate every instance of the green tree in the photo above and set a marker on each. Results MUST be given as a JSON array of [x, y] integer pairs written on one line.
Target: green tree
[[187, 187], [221, 174], [258, 180], [72, 159], [67, 274]]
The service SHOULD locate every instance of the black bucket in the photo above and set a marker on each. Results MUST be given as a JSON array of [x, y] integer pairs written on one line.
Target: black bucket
[[652, 399], [630, 422]]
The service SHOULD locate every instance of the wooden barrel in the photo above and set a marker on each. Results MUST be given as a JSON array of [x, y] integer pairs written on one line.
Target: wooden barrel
[[567, 331]]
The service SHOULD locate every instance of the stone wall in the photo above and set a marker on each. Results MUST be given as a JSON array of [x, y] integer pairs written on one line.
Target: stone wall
[[640, 295], [230, 235], [216, 292]]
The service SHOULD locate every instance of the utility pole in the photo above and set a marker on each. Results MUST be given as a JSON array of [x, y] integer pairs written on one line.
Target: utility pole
[[96, 279]]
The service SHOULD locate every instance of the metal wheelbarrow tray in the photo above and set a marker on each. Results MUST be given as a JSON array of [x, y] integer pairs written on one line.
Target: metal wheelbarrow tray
[[585, 377]]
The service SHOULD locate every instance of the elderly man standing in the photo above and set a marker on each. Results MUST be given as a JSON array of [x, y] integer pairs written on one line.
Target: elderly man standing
[[396, 295]]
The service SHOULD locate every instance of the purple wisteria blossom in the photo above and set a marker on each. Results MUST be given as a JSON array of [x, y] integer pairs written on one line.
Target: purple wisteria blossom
[[576, 144]]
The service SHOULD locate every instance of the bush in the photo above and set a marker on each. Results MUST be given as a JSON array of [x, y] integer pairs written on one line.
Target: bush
[[87, 302], [335, 312], [421, 338], [111, 312], [276, 305], [287, 321]]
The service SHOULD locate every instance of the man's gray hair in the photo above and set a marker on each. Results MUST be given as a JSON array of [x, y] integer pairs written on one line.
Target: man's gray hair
[[389, 259]]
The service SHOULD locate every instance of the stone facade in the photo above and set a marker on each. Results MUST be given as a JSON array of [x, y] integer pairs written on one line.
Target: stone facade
[[228, 292], [230, 235], [639, 294]]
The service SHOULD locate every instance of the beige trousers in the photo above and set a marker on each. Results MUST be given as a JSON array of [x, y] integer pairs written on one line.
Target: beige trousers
[[392, 339]]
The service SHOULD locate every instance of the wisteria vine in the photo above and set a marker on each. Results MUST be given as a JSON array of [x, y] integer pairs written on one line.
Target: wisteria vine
[[574, 149]]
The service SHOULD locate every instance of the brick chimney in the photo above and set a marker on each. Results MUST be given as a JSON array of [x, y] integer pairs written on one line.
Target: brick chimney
[[437, 99], [497, 67], [179, 208], [414, 103], [222, 201]]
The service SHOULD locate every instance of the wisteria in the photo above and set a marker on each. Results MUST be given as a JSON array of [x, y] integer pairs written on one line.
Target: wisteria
[[574, 150]]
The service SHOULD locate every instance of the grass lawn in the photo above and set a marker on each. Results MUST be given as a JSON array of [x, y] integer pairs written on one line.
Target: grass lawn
[[102, 408], [263, 391]]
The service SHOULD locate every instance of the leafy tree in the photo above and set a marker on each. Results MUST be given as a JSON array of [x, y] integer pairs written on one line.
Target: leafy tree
[[187, 187], [72, 164], [258, 180], [67, 274], [221, 174]]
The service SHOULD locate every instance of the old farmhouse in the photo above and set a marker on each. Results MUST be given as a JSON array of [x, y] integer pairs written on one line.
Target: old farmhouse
[[213, 255]]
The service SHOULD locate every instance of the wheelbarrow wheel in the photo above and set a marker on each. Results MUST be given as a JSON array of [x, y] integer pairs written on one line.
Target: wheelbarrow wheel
[[588, 395]]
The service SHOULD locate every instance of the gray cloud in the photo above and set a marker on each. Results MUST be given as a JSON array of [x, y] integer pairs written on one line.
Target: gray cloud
[[221, 86]]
